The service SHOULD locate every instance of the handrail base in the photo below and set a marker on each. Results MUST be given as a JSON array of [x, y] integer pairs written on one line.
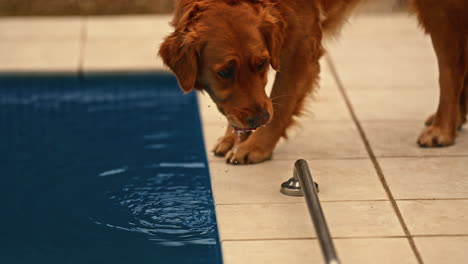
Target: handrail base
[[292, 187]]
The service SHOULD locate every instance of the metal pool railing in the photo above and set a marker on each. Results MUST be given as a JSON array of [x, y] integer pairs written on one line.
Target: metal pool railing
[[300, 184]]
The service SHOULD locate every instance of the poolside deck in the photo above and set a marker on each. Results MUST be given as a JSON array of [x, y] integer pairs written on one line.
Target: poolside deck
[[386, 199]]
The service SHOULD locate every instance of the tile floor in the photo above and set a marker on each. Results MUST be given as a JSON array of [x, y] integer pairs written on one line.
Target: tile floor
[[385, 202]]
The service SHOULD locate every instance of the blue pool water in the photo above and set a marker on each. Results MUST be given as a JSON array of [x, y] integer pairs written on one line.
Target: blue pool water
[[103, 169]]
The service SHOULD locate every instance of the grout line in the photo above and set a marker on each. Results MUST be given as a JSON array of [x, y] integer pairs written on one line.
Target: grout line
[[423, 157], [443, 235], [432, 199], [340, 238], [373, 158], [306, 238], [344, 201], [302, 202]]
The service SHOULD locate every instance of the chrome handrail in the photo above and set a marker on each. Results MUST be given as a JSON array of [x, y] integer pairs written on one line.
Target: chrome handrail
[[300, 184]]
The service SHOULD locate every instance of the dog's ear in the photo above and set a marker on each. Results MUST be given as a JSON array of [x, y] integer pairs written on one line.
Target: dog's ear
[[179, 53], [272, 29]]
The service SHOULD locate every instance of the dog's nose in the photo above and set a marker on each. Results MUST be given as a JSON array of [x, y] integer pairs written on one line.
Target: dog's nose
[[259, 119]]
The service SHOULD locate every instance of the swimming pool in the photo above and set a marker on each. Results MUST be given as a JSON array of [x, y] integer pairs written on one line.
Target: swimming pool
[[103, 169]]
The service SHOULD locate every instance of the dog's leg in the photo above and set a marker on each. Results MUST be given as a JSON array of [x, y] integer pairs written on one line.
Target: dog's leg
[[463, 106], [464, 102], [292, 84], [229, 140], [449, 45]]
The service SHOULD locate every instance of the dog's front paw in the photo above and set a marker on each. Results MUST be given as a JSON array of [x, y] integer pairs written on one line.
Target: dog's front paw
[[434, 136], [224, 145], [248, 152], [228, 141]]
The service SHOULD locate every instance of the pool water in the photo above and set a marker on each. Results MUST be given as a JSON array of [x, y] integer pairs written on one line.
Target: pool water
[[103, 169]]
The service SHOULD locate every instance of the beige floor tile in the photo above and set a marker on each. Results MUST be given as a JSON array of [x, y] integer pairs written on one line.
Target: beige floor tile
[[40, 27], [291, 220], [317, 140], [39, 55], [385, 52], [436, 250], [129, 26], [398, 42], [272, 251], [209, 112], [388, 74], [260, 183], [122, 54], [322, 140], [426, 178], [363, 50], [435, 217], [398, 139], [392, 72], [326, 77], [326, 104], [350, 251], [385, 30], [389, 105], [127, 43], [211, 134]]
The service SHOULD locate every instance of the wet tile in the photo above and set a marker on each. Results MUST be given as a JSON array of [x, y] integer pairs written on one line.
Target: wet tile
[[358, 251], [435, 217], [291, 220], [435, 250], [260, 183], [398, 139], [426, 178], [39, 55], [44, 28]]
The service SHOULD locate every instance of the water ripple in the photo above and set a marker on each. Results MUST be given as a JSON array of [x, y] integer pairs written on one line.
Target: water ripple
[[168, 208]]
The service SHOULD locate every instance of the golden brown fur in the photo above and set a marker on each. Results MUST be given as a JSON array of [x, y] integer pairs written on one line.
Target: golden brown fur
[[447, 24], [223, 46]]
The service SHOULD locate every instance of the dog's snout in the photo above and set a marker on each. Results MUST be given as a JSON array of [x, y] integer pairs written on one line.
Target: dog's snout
[[259, 119]]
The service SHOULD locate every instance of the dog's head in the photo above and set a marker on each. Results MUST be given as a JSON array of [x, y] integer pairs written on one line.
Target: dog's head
[[226, 48]]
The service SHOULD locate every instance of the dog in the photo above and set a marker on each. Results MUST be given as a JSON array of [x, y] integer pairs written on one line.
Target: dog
[[225, 47]]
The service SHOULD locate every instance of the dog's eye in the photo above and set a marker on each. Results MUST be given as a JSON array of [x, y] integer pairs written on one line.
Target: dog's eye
[[226, 73], [261, 65]]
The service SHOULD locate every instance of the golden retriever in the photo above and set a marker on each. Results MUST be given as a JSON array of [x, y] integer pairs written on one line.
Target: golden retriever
[[225, 48]]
